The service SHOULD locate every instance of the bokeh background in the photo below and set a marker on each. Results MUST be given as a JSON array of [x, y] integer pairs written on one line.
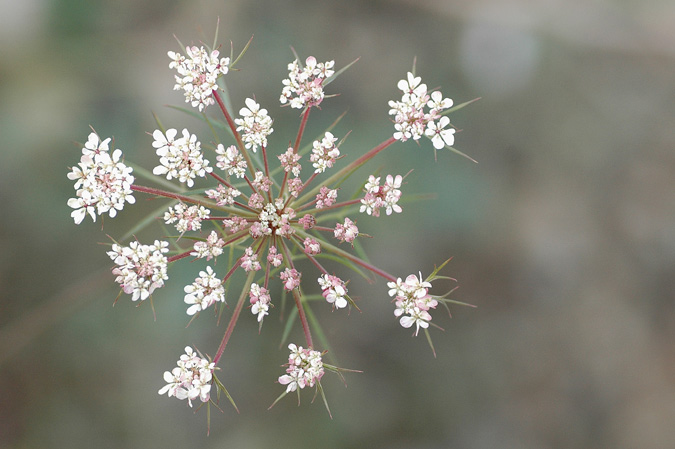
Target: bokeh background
[[563, 234]]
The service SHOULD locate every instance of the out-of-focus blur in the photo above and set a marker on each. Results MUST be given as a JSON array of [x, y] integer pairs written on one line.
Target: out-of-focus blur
[[563, 234]]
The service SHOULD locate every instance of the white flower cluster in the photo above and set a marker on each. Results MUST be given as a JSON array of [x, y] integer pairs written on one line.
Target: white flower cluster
[[191, 379], [205, 291], [255, 125], [249, 261], [386, 196], [412, 121], [304, 87], [346, 232], [290, 162], [187, 218], [333, 290], [305, 368], [230, 160], [326, 197], [140, 268], [324, 153], [197, 74], [274, 219], [291, 278], [413, 301], [102, 182], [212, 247], [179, 158], [224, 196], [260, 301]]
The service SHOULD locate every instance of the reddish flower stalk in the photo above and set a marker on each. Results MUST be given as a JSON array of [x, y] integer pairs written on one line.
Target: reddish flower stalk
[[233, 321]]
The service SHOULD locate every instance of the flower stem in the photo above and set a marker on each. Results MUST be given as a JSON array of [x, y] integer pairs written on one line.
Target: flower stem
[[348, 170], [233, 319], [338, 252], [298, 302], [301, 130], [179, 197], [334, 206], [178, 256], [233, 128], [164, 193], [303, 318]]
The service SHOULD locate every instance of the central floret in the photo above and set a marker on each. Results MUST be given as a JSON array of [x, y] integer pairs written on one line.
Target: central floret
[[274, 219]]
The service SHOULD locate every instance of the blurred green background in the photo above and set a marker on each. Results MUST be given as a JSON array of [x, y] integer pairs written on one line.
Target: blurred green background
[[563, 235]]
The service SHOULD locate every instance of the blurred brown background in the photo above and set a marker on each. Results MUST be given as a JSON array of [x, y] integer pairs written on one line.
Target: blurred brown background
[[563, 234]]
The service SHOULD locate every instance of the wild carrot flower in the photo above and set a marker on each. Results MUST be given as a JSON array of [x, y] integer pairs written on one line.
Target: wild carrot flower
[[140, 268], [255, 125], [260, 301], [305, 368], [210, 248], [276, 221], [191, 379], [197, 74], [102, 181], [179, 158], [205, 291], [304, 85], [418, 113]]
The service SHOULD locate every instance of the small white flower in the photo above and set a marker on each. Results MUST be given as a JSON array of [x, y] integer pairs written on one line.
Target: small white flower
[[231, 161], [324, 153], [260, 301], [212, 247], [412, 85], [205, 291], [140, 268], [179, 158], [197, 74], [255, 125], [440, 137], [102, 181], [333, 290], [305, 368], [186, 218], [191, 379], [304, 87]]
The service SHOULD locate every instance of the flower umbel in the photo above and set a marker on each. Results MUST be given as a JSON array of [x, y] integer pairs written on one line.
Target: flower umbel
[[305, 368], [417, 112], [191, 379], [140, 268], [197, 74], [261, 214], [102, 181]]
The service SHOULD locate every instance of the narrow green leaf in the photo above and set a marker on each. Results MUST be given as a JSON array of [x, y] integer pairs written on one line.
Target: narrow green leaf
[[459, 106], [339, 72], [248, 44], [456, 151]]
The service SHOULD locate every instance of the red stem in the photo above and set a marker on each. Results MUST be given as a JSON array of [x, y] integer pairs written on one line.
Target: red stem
[[298, 302], [303, 318], [164, 193], [178, 256], [301, 130], [351, 167], [233, 128], [233, 320], [334, 206]]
